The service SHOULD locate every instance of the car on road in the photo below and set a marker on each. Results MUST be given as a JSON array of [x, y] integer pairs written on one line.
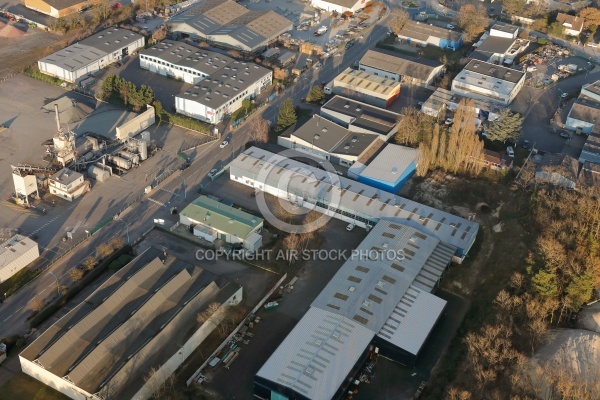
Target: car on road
[[184, 166], [525, 144], [565, 135], [510, 151], [212, 172], [224, 144], [449, 121], [350, 44], [350, 227], [450, 26], [318, 65], [118, 64], [564, 95]]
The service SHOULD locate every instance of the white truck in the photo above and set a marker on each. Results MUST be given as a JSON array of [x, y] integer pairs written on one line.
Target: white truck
[[320, 31]]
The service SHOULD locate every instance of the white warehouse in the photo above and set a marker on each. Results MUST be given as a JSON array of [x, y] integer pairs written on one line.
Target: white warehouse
[[481, 80], [15, 254], [341, 6], [91, 54]]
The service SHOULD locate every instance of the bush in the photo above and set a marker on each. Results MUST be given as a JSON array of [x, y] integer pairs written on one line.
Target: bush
[[187, 122], [120, 262], [34, 72], [543, 41], [18, 280]]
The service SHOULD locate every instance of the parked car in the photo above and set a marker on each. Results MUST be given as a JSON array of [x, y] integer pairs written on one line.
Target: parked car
[[565, 135], [525, 144], [450, 26], [510, 151], [224, 144], [212, 172], [564, 95], [350, 227], [449, 121], [184, 166]]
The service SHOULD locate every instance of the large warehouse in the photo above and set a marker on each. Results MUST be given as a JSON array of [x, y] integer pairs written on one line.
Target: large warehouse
[[91, 54], [217, 84], [58, 8], [382, 297], [143, 317], [340, 6], [347, 199], [15, 254], [400, 67], [228, 24]]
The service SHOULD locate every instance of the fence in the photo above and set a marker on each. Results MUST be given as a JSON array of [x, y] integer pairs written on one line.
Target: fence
[[235, 331]]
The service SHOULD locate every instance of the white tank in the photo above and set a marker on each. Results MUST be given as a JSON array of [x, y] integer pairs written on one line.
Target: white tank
[[143, 150], [134, 158], [121, 162]]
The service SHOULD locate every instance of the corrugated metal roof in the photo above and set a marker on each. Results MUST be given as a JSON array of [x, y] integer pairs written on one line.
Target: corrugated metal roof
[[14, 248], [391, 163], [361, 81], [318, 354], [364, 116], [419, 68], [412, 320], [221, 217], [313, 185]]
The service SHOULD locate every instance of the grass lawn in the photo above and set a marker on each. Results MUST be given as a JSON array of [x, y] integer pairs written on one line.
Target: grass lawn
[[24, 387]]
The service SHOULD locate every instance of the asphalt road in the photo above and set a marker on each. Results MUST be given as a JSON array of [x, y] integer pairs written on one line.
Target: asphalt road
[[176, 190]]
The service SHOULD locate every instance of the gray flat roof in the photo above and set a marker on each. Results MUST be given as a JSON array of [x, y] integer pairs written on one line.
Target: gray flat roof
[[343, 3], [92, 48], [66, 176], [362, 200], [591, 149], [419, 68], [374, 119], [587, 111], [422, 31], [494, 71], [185, 55], [136, 320], [225, 84], [505, 28], [333, 138], [593, 87], [496, 44], [390, 164]]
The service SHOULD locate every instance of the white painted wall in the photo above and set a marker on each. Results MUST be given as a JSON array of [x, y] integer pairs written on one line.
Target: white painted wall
[[55, 382], [158, 66], [324, 5], [574, 124], [6, 271]]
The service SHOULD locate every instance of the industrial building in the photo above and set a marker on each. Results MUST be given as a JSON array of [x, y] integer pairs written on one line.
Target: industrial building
[[361, 117], [500, 45], [141, 319], [591, 149], [230, 25], [401, 68], [489, 82], [346, 199], [67, 184], [442, 100], [15, 254], [383, 298], [389, 170], [422, 34], [329, 141], [58, 8], [340, 6], [365, 87], [584, 116], [212, 220], [93, 53], [181, 61]]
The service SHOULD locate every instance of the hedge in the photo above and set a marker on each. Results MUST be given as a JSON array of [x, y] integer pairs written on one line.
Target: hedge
[[34, 72]]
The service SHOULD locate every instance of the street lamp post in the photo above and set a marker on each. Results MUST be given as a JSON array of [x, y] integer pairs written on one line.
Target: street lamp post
[[127, 229], [57, 284]]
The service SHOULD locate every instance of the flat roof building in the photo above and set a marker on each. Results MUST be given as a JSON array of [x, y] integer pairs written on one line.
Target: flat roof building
[[365, 87], [391, 168], [329, 141], [346, 199], [422, 34], [584, 116], [489, 82], [67, 184], [91, 54], [443, 99], [341, 6], [361, 117], [400, 67], [16, 253], [142, 318], [213, 220], [376, 299], [228, 24], [58, 8]]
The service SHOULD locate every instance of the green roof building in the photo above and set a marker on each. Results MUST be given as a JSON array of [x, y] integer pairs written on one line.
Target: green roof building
[[211, 220]]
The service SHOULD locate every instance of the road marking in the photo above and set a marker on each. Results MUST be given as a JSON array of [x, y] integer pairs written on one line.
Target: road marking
[[156, 201]]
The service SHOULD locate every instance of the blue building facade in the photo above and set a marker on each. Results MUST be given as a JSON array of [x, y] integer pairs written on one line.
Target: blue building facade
[[389, 185]]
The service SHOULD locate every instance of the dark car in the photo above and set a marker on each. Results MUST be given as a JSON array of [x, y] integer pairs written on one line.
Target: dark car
[[118, 64], [184, 166]]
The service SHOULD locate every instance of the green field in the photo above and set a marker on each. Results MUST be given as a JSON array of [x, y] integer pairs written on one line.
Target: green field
[[23, 387]]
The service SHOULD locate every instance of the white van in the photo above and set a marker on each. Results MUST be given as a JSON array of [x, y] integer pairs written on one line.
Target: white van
[[510, 151]]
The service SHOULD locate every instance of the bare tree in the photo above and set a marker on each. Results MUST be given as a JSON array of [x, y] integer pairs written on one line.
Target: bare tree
[[75, 274], [89, 263], [292, 242], [117, 242], [160, 390], [60, 288], [103, 250], [259, 130], [398, 18], [210, 314], [37, 304]]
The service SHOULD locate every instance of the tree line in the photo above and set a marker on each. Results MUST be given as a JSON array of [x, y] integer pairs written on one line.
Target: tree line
[[114, 86]]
